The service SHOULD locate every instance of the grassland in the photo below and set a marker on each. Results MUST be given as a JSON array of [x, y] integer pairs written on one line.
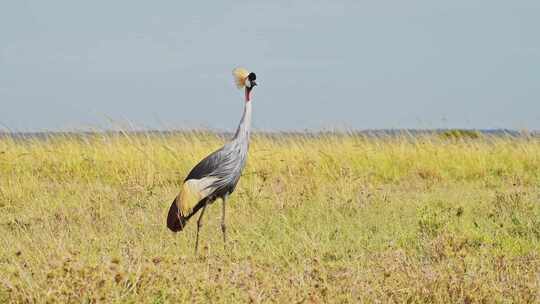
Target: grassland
[[313, 220]]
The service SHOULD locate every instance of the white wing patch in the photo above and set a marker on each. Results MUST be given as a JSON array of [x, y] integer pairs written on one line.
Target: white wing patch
[[194, 190]]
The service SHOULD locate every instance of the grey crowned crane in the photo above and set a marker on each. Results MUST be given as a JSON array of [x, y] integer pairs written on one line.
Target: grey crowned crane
[[217, 175]]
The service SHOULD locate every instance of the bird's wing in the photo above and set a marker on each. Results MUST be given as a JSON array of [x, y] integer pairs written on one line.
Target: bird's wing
[[200, 182], [193, 191], [207, 166]]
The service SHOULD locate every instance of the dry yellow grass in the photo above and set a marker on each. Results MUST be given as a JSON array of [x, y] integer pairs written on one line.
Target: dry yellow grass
[[314, 219]]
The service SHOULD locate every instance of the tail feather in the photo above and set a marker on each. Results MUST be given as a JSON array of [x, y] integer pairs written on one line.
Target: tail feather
[[175, 221]]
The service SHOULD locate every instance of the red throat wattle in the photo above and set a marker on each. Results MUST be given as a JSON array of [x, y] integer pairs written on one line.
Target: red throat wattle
[[248, 93]]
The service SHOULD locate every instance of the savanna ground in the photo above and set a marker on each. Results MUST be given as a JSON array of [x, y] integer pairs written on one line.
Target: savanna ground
[[314, 219]]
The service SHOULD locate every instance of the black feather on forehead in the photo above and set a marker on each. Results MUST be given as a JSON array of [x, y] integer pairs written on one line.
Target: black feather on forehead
[[252, 76]]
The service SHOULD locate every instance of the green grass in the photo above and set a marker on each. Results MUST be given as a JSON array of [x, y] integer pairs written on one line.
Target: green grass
[[313, 220]]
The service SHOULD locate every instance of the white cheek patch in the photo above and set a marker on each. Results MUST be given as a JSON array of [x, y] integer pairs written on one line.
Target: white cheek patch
[[247, 83]]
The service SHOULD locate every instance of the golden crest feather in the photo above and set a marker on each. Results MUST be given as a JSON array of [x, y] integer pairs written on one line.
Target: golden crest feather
[[240, 75]]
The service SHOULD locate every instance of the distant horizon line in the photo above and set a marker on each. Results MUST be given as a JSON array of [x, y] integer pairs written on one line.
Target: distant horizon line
[[337, 131]]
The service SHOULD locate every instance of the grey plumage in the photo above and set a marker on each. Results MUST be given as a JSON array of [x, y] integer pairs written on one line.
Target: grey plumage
[[216, 176], [227, 163]]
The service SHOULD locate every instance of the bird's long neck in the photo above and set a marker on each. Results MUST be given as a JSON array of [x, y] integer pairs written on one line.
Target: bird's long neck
[[244, 128]]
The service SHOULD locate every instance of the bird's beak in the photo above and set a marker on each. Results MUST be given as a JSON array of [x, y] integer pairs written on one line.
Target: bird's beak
[[253, 83]]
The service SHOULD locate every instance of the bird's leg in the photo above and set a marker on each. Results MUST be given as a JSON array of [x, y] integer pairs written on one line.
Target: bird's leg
[[199, 225], [223, 227]]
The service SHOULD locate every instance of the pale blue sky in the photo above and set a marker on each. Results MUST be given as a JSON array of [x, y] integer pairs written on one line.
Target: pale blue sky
[[320, 64]]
